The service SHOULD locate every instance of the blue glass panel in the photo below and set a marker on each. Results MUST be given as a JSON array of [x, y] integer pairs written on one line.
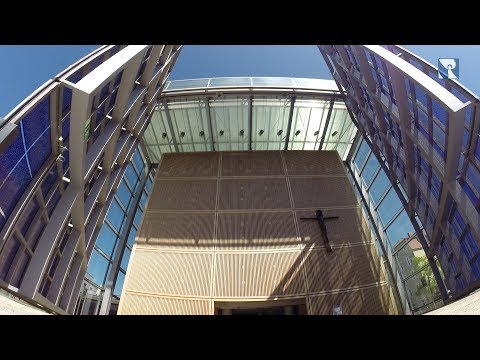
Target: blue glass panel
[[106, 240], [439, 112], [471, 195], [389, 206], [36, 121], [138, 217], [13, 187], [10, 157], [473, 175], [439, 150], [379, 186], [421, 95], [100, 113], [96, 62], [117, 291], [137, 160], [471, 243], [131, 237], [438, 134], [143, 199], [97, 267], [466, 136], [66, 99], [477, 149], [66, 127], [131, 177], [361, 154], [124, 194], [423, 119], [148, 184], [27, 216], [115, 215], [370, 168], [39, 152], [113, 97], [400, 228], [104, 92], [76, 76], [468, 115], [125, 258]]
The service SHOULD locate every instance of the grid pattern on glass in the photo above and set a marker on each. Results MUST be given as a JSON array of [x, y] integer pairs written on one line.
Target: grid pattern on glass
[[397, 233], [426, 135], [110, 234], [229, 115], [24, 157], [303, 83]]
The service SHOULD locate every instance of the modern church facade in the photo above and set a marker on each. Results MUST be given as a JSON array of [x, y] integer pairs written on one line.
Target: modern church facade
[[387, 126]]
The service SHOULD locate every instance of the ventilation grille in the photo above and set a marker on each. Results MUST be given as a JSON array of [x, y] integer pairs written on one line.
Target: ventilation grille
[[253, 231], [133, 304], [322, 192], [183, 195], [249, 163], [170, 273], [303, 162], [177, 231], [189, 164], [254, 194], [258, 274]]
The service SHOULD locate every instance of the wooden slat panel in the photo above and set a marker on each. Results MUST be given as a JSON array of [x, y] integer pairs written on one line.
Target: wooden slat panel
[[189, 164], [252, 163]]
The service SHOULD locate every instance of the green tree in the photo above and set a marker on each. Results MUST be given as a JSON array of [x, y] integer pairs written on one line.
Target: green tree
[[429, 285]]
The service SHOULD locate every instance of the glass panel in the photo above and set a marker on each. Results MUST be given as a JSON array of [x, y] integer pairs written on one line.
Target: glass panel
[[106, 240], [389, 206], [115, 215], [370, 168], [125, 259], [400, 229], [272, 81], [186, 84], [379, 186], [131, 176], [124, 194], [138, 217], [131, 237], [230, 123], [422, 287], [97, 267], [361, 154], [119, 284], [238, 81]]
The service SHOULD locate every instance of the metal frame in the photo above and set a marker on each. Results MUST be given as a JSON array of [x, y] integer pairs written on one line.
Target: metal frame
[[107, 155]]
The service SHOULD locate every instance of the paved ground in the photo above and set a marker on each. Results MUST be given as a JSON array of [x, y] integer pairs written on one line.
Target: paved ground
[[469, 305], [10, 305]]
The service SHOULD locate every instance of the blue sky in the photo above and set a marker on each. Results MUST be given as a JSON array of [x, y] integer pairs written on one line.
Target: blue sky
[[24, 68]]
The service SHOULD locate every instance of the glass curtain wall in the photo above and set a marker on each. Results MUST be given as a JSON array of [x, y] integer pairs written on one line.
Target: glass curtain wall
[[408, 260], [101, 262]]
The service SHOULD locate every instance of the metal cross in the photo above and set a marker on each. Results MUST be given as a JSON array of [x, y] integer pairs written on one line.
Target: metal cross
[[323, 229]]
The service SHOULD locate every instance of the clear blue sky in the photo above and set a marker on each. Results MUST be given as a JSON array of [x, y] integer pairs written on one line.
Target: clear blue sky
[[24, 68]]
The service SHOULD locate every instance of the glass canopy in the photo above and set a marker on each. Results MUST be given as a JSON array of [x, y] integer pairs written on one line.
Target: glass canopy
[[199, 118]]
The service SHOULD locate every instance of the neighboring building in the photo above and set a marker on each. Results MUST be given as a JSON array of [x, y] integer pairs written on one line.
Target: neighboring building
[[408, 139]]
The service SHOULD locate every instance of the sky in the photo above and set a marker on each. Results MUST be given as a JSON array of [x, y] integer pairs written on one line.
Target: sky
[[24, 68]]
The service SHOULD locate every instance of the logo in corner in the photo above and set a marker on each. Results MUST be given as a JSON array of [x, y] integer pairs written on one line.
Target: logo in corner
[[448, 68]]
